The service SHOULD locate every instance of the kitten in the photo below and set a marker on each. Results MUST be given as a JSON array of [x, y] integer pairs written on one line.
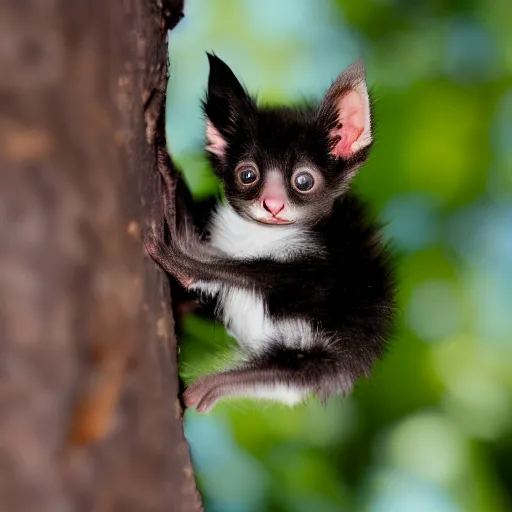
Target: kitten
[[296, 271]]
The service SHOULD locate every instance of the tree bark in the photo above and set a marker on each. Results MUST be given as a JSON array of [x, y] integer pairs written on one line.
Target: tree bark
[[89, 414]]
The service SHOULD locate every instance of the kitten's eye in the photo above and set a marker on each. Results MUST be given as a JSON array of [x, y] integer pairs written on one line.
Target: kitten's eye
[[303, 181], [248, 175]]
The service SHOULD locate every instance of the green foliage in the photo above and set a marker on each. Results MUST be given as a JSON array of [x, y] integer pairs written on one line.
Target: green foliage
[[431, 431]]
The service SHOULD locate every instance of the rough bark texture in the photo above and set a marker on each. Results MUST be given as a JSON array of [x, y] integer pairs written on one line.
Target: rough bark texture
[[89, 415]]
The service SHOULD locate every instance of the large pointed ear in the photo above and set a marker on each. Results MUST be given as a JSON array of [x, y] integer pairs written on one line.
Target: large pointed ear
[[226, 102], [345, 110]]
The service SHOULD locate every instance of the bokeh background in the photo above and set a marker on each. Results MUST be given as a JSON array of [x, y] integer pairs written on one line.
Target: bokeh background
[[432, 431]]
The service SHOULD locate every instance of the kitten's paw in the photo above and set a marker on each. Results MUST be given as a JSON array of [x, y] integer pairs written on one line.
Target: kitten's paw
[[166, 258]]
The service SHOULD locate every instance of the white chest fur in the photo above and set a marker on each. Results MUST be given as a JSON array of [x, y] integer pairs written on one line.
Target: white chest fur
[[241, 238], [243, 312]]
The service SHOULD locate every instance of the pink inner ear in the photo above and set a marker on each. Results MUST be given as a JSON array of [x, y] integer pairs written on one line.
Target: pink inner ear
[[215, 143], [354, 123]]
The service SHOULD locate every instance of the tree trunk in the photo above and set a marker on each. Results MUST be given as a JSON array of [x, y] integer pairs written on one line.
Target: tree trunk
[[89, 414]]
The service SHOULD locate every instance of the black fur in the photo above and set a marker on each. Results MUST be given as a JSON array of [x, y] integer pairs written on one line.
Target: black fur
[[346, 289]]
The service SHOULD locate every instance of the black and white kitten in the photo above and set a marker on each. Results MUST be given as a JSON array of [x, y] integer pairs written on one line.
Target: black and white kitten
[[298, 274]]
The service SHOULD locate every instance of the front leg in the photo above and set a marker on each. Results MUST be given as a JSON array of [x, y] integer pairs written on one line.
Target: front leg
[[174, 193], [190, 260], [169, 260]]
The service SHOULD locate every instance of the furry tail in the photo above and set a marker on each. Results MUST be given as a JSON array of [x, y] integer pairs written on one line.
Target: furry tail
[[285, 375]]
